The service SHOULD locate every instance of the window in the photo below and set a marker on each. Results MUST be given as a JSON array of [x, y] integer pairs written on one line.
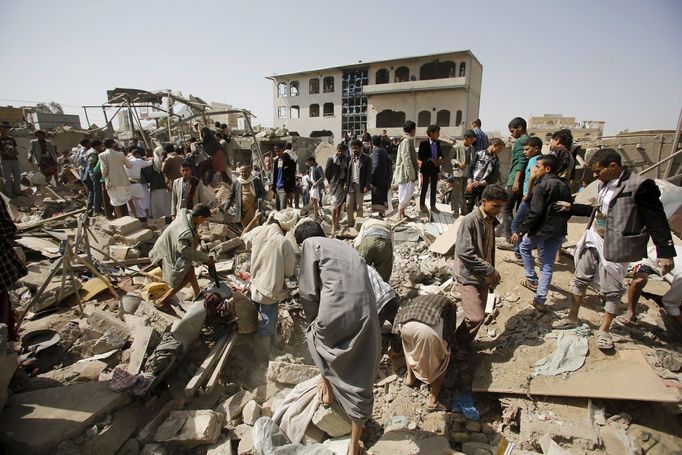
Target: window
[[437, 70], [314, 86], [328, 110], [328, 84], [424, 118], [390, 119], [458, 118], [402, 74], [294, 112], [314, 110], [443, 117], [462, 69], [281, 89], [293, 88], [282, 112], [382, 76]]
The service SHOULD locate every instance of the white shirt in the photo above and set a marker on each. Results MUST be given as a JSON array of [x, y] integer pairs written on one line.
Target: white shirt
[[355, 169], [137, 164]]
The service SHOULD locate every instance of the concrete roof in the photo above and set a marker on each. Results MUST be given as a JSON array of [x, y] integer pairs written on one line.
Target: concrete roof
[[362, 64]]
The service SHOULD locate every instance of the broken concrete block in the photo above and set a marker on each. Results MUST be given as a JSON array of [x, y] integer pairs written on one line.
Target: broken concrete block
[[229, 246], [191, 428], [240, 430], [223, 447], [101, 321], [113, 338], [409, 442], [123, 226], [90, 370], [290, 373], [251, 412], [313, 435], [332, 420], [110, 440], [477, 448], [122, 252], [246, 444], [36, 421], [136, 237], [436, 422], [233, 406]]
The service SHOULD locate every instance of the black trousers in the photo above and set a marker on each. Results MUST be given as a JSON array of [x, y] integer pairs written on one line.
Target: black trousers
[[512, 205], [429, 179]]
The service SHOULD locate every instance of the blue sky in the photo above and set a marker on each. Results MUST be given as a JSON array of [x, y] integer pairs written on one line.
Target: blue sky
[[617, 61]]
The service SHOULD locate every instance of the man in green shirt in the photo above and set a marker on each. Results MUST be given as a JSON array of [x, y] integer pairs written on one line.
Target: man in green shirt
[[517, 129]]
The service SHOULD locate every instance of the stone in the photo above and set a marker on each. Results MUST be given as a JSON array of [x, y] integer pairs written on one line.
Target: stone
[[191, 428], [154, 449], [223, 447], [90, 370], [460, 437], [123, 226], [332, 420], [36, 421], [229, 246], [290, 373], [246, 444], [473, 427], [435, 422], [313, 435], [240, 430], [251, 412], [477, 448], [112, 339], [233, 406], [101, 321], [410, 442], [123, 424], [478, 437], [136, 237]]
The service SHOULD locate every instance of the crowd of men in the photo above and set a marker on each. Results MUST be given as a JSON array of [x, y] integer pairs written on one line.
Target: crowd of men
[[344, 287]]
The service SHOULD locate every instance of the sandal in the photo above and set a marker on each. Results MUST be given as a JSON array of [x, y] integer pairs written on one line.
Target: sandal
[[604, 341], [437, 408], [564, 324], [623, 320], [541, 307], [513, 260], [529, 284]]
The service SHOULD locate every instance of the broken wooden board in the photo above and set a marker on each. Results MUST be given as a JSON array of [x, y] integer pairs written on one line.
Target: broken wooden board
[[92, 288], [205, 368], [445, 243], [46, 247], [141, 336], [210, 385], [623, 376]]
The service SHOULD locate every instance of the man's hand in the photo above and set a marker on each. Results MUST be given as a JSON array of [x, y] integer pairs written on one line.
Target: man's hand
[[469, 187], [515, 238], [494, 278], [562, 206], [516, 187], [526, 198], [666, 265]]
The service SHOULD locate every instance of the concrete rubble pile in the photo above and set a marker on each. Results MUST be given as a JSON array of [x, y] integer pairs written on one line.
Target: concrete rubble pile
[[208, 396]]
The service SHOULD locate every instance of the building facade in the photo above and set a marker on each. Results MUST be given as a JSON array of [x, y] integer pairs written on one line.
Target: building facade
[[442, 89], [544, 126]]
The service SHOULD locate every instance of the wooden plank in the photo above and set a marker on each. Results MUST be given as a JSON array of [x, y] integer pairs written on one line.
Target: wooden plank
[[445, 242], [141, 336], [624, 376], [210, 385], [34, 224], [205, 368], [46, 247], [92, 287]]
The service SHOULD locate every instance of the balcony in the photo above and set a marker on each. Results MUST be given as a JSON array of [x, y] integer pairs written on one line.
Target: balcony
[[415, 86]]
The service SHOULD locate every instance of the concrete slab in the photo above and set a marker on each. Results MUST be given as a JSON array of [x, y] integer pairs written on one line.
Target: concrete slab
[[35, 422]]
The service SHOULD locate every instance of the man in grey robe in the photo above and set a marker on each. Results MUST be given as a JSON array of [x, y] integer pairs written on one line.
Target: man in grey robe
[[176, 250], [344, 337]]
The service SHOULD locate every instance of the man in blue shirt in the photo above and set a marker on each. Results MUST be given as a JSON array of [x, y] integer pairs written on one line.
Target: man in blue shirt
[[283, 177], [481, 142]]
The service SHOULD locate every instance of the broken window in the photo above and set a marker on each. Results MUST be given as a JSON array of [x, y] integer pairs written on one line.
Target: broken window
[[328, 84], [437, 70], [314, 110], [382, 76], [424, 118], [328, 110], [458, 118], [390, 119], [402, 74], [281, 89], [293, 88], [294, 112], [282, 112], [443, 118], [462, 69], [314, 86]]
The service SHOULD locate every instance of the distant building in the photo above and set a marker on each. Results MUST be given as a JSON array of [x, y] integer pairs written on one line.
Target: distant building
[[544, 126], [47, 121], [442, 89], [11, 114]]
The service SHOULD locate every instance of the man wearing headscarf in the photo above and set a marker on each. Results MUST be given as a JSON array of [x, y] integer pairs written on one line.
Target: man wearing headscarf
[[160, 196], [344, 337], [246, 193]]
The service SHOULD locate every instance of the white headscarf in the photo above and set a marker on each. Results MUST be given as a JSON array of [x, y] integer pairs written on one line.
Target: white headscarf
[[158, 158]]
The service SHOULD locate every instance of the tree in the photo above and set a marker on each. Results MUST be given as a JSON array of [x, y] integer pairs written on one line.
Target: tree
[[49, 108]]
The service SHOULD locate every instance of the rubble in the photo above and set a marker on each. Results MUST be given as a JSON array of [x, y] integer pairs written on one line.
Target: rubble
[[191, 428], [290, 373], [332, 420]]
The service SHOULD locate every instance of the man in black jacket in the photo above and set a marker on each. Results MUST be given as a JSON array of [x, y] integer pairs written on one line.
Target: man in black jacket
[[283, 177], [359, 180], [430, 158], [543, 227], [381, 176]]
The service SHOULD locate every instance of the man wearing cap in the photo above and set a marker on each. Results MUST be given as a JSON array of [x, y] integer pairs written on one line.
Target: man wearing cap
[[11, 173], [176, 251], [272, 260], [42, 155], [283, 177]]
